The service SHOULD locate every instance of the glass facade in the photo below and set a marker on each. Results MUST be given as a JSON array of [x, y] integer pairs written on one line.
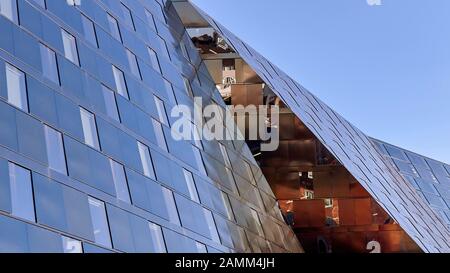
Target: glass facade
[[88, 162], [87, 159]]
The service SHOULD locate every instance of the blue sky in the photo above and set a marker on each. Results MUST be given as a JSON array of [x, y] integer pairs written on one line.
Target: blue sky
[[385, 68]]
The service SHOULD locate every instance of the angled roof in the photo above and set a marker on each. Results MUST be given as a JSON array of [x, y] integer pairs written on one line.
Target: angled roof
[[429, 177], [352, 148]]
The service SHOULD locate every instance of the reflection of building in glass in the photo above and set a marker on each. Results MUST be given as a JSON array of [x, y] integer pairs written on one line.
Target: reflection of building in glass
[[88, 162], [335, 186]]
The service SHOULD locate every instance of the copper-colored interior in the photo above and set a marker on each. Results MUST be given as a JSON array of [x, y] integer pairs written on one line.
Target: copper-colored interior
[[327, 208]]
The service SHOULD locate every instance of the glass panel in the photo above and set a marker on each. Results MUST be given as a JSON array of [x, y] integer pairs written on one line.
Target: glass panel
[[89, 129], [184, 50], [114, 28], [196, 136], [70, 47], [89, 30], [396, 152], [15, 81], [8, 8], [170, 205], [223, 150], [199, 160], [249, 173], [161, 111], [128, 16], [120, 181], [49, 66], [187, 86], [159, 135], [191, 185], [119, 79], [157, 238], [110, 103], [132, 61], [22, 204], [71, 245], [150, 20], [99, 222], [154, 59], [55, 150], [146, 160]]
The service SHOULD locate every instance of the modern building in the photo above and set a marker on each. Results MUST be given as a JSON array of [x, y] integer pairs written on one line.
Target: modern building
[[89, 163]]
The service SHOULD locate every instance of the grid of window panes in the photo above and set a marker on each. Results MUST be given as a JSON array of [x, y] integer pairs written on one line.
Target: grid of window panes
[[87, 160], [429, 177]]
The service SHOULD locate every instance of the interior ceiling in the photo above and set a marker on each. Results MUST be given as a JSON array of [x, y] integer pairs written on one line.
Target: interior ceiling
[[349, 145]]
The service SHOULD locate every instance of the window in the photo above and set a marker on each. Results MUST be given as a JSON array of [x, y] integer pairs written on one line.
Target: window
[[55, 150], [15, 82], [308, 195], [146, 160], [89, 129], [160, 139], [150, 20], [110, 103], [249, 173], [71, 245], [73, 2], [184, 50], [161, 111], [132, 61], [8, 8], [191, 185], [225, 157], [70, 47], [128, 16], [187, 86], [49, 65], [169, 90], [99, 222], [196, 218], [22, 204], [89, 30], [154, 59], [157, 238], [199, 160], [120, 181], [114, 28], [196, 136], [119, 79]]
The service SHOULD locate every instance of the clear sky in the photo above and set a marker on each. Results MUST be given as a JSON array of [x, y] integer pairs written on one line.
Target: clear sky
[[384, 68]]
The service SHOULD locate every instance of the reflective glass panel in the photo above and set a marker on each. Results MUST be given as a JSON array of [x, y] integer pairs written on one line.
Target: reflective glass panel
[[110, 103], [146, 160], [15, 82], [55, 150], [22, 204], [8, 8], [70, 47], [119, 79], [89, 30], [71, 245], [89, 129], [49, 66], [114, 28], [120, 181], [99, 222]]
